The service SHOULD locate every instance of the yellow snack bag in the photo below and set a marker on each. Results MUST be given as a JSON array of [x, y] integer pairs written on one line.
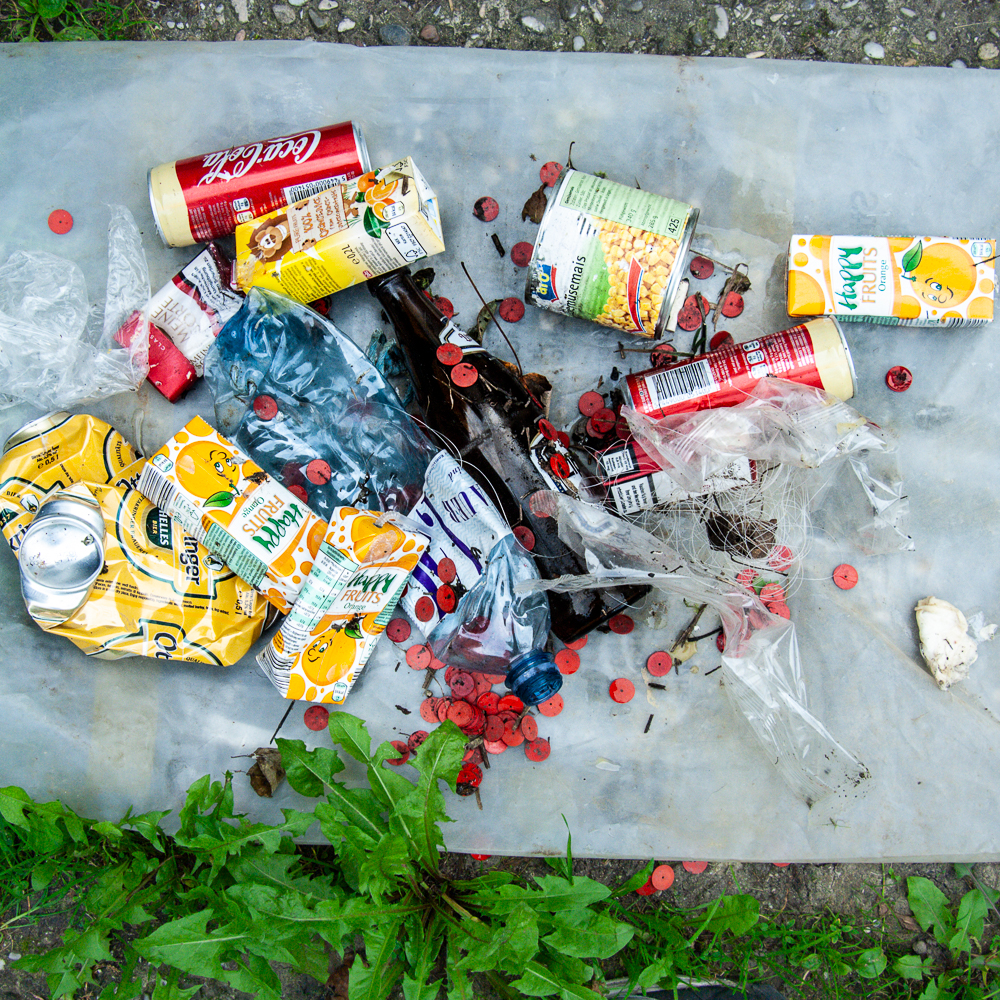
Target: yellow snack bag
[[375, 223], [360, 571], [267, 536]]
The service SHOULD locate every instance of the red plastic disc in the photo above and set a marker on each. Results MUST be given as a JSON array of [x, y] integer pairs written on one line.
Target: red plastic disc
[[603, 421], [898, 378], [494, 746], [424, 609], [316, 717], [525, 536], [446, 599], [428, 710], [780, 609], [481, 857], [621, 690], [662, 877], [722, 338], [60, 221], [720, 642], [552, 707], [419, 657], [444, 305], [732, 305], [461, 713], [520, 253], [462, 684], [486, 209], [568, 661], [845, 576], [590, 403], [537, 750], [621, 624], [470, 775], [404, 753], [494, 729], [695, 867], [772, 593], [464, 375], [702, 267], [489, 702], [299, 491], [446, 570], [511, 310], [660, 663], [550, 172], [398, 630], [538, 504], [690, 316], [662, 355], [746, 576], [781, 864], [780, 558], [449, 354], [511, 703], [646, 890], [560, 466], [512, 734], [318, 472], [265, 407], [416, 739], [547, 429], [577, 643], [443, 707], [530, 728]]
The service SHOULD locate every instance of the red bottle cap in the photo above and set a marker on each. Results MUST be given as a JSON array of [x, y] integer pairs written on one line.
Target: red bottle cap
[[659, 663], [449, 354], [265, 407], [446, 570], [702, 267], [486, 209], [418, 657], [398, 630], [316, 717], [60, 221], [845, 576], [520, 253], [568, 661], [511, 310], [622, 690], [590, 403], [537, 750], [898, 378], [550, 172]]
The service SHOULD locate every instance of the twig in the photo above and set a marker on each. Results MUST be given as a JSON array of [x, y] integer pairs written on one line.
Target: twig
[[288, 710], [686, 634], [520, 370]]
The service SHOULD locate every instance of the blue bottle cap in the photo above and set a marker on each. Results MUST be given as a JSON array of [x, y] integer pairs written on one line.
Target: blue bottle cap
[[534, 676]]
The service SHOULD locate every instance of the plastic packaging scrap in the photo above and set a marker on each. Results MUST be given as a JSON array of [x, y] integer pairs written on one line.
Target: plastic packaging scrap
[[312, 410], [945, 643], [761, 659], [54, 349], [362, 566], [496, 630]]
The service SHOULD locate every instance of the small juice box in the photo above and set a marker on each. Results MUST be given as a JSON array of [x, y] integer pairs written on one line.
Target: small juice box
[[362, 566], [376, 223], [892, 280], [263, 533]]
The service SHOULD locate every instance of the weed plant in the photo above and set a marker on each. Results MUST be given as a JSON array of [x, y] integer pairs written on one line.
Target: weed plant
[[72, 20], [227, 899]]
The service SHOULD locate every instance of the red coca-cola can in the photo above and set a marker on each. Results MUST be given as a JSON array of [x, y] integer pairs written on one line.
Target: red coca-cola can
[[204, 197], [814, 353]]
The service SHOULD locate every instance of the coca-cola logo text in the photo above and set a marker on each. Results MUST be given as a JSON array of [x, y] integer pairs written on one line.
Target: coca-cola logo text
[[228, 164]]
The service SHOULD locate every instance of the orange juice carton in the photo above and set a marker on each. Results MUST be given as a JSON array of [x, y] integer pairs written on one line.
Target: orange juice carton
[[263, 533], [362, 567], [351, 232], [892, 280]]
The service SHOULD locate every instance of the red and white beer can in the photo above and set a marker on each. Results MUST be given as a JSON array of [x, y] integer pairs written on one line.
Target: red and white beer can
[[204, 197], [814, 353]]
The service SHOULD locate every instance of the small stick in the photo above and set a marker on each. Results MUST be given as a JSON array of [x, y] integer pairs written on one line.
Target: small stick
[[479, 801], [712, 671], [498, 245], [659, 687], [288, 710], [706, 635], [649, 722], [520, 370], [686, 634]]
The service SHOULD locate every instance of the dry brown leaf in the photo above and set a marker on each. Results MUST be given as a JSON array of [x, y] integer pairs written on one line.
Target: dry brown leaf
[[337, 984], [908, 922], [267, 773], [534, 207]]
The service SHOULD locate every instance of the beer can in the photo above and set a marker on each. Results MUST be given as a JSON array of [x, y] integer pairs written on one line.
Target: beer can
[[814, 353], [610, 253], [207, 196]]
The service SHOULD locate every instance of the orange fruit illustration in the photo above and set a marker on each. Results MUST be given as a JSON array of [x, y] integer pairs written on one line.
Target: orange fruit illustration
[[805, 296], [328, 657], [944, 276]]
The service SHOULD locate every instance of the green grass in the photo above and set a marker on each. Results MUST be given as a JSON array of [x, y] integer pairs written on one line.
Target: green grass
[[70, 20]]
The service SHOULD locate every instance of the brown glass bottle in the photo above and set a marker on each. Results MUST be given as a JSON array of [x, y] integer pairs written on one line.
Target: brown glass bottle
[[480, 405]]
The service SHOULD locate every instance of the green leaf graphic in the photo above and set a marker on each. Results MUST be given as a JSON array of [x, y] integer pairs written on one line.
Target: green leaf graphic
[[373, 224], [221, 499], [912, 258]]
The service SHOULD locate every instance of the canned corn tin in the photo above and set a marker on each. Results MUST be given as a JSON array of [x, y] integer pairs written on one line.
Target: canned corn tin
[[610, 253], [204, 197]]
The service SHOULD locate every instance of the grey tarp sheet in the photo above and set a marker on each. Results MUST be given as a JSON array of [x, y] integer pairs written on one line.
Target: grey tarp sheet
[[765, 149]]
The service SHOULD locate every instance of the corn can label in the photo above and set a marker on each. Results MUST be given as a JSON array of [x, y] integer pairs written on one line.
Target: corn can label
[[263, 533], [610, 253], [362, 567], [892, 280]]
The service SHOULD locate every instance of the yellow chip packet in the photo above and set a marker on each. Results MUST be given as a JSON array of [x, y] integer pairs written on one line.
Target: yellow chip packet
[[375, 223], [361, 569], [262, 532]]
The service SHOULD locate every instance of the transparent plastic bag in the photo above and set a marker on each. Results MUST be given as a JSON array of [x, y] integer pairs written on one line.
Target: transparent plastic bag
[[55, 350], [761, 667], [309, 407]]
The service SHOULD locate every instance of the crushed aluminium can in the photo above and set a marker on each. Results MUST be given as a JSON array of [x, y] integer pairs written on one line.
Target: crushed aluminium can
[[814, 353], [610, 253], [203, 197]]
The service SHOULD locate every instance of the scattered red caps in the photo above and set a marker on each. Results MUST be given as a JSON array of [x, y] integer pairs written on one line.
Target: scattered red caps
[[461, 713], [489, 702], [424, 609], [732, 305], [494, 746], [265, 407], [659, 663], [646, 890], [560, 466], [621, 690], [621, 624], [462, 684], [662, 354], [702, 267], [604, 420], [577, 643], [780, 609], [299, 491], [695, 867], [443, 706], [537, 750], [568, 661], [690, 316], [590, 402], [550, 172], [493, 678], [60, 221], [436, 664], [845, 576], [398, 630], [446, 598], [404, 753], [464, 375], [746, 576], [547, 429], [494, 728], [722, 337], [530, 728], [481, 857], [416, 739], [511, 703], [419, 657], [470, 775], [525, 536], [772, 593], [898, 378], [444, 305], [662, 877], [318, 472], [511, 309], [553, 706], [316, 717], [428, 710], [486, 209], [446, 570], [780, 558], [622, 429], [512, 734], [520, 253], [449, 354]]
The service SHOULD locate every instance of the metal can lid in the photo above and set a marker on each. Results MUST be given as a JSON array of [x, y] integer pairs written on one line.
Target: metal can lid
[[35, 427]]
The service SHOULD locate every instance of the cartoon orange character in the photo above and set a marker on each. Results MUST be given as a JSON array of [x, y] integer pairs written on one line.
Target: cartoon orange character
[[214, 473], [332, 653], [942, 274]]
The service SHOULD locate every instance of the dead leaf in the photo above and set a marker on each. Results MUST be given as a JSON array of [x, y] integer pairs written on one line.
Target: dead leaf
[[267, 773], [739, 282], [539, 387], [534, 207], [423, 278], [484, 319], [908, 922], [337, 984]]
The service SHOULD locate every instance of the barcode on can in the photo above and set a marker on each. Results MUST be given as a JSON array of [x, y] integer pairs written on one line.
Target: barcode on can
[[296, 192], [674, 385]]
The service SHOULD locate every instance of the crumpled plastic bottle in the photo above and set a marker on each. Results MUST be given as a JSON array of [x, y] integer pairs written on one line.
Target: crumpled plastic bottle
[[494, 630], [309, 407]]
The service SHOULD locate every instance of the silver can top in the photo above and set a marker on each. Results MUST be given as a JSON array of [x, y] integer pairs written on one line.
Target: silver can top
[[35, 427]]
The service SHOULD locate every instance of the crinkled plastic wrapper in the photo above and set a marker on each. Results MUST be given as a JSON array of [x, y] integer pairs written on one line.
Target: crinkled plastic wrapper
[[310, 408], [54, 349]]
